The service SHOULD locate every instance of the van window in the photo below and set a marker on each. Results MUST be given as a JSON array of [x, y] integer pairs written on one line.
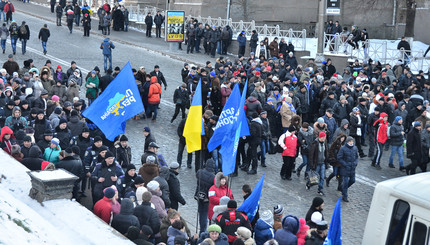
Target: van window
[[419, 233], [398, 222]]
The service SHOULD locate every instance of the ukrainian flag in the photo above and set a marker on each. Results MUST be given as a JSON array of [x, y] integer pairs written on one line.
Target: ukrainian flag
[[193, 126]]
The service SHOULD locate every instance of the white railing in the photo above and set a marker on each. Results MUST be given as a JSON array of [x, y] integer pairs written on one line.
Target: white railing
[[297, 38], [377, 50]]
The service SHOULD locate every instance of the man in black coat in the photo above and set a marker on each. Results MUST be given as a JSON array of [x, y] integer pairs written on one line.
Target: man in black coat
[[149, 22], [160, 77], [122, 221], [24, 35], [175, 187], [146, 214], [181, 99], [73, 164], [318, 157], [205, 179], [148, 138], [123, 152], [254, 140], [413, 148], [105, 80], [158, 20]]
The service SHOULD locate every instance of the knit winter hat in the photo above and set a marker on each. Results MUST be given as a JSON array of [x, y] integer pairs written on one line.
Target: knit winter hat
[[152, 185], [320, 120], [267, 217], [109, 154], [355, 109], [322, 134], [62, 120], [109, 192], [224, 200], [416, 124], [291, 128], [55, 141], [397, 119], [243, 232], [278, 210], [215, 228]]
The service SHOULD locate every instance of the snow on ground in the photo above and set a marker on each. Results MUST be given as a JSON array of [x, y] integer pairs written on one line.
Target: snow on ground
[[25, 221]]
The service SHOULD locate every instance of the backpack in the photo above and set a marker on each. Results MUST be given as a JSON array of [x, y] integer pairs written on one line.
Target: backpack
[[225, 34], [14, 30], [23, 30]]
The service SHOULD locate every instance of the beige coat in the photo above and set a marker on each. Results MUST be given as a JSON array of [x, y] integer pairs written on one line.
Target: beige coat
[[286, 113]]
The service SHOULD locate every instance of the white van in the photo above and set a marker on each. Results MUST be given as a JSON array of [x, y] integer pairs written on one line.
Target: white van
[[400, 212]]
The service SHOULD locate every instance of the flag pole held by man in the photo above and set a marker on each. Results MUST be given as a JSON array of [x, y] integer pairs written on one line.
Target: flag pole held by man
[[193, 129], [119, 102]]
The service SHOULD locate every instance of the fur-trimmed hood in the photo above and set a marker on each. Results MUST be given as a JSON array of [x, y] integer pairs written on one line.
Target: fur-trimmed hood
[[217, 180]]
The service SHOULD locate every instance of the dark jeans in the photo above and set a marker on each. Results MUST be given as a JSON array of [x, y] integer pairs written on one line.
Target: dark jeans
[[372, 145], [70, 24], [225, 44], [347, 182], [213, 49], [206, 46], [148, 30], [287, 167], [181, 148], [240, 153], [23, 45], [77, 19], [264, 148], [158, 30], [152, 109], [106, 30], [177, 108], [305, 163], [191, 45], [252, 154], [203, 209], [358, 144], [52, 8], [241, 50], [197, 45], [58, 21]]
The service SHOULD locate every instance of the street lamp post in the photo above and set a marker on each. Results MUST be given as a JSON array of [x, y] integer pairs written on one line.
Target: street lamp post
[[320, 32]]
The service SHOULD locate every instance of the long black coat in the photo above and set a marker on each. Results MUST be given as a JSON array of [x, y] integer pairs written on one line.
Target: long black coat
[[413, 145], [175, 191], [205, 178]]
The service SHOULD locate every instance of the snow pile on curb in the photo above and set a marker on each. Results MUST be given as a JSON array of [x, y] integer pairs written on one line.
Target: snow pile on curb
[[25, 221]]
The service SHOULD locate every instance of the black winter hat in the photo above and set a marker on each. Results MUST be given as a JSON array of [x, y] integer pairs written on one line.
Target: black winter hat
[[317, 202], [97, 139], [123, 138], [74, 113], [232, 204], [291, 128], [109, 154], [85, 130], [139, 180], [27, 138], [57, 111], [130, 166], [62, 120], [48, 133], [147, 230]]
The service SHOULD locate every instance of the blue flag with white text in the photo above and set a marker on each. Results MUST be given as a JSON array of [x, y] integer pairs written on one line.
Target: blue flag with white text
[[250, 205], [119, 102], [231, 125], [334, 236]]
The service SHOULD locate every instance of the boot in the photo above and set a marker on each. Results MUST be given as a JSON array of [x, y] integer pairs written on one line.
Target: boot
[[327, 183], [252, 172]]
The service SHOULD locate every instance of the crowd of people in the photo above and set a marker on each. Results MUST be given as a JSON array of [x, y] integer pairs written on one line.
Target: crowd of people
[[324, 115]]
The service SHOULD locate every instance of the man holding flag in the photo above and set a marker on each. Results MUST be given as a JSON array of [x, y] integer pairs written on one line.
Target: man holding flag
[[232, 219], [232, 124], [119, 102]]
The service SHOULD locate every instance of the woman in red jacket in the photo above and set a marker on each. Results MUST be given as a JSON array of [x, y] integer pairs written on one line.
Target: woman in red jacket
[[218, 190], [6, 141], [288, 142], [154, 97], [381, 138]]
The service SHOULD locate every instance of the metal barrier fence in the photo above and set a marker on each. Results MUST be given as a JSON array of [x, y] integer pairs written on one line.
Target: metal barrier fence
[[375, 49], [297, 38]]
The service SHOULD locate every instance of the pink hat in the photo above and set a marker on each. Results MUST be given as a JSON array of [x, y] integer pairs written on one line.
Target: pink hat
[[55, 98]]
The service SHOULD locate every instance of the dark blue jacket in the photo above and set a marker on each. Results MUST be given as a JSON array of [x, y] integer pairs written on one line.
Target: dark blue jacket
[[348, 158], [242, 40], [107, 46], [263, 232], [290, 227], [122, 221]]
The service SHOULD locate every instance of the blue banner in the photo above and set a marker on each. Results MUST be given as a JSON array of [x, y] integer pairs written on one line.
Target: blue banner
[[250, 205], [334, 236], [119, 102]]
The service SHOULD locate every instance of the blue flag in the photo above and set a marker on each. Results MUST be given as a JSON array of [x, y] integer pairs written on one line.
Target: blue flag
[[334, 236], [225, 121], [250, 205], [231, 126], [119, 102]]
